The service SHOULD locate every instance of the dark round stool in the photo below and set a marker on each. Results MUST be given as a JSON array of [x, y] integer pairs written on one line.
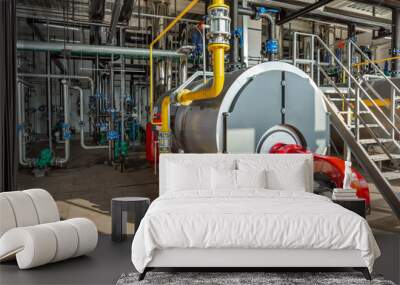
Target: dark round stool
[[120, 209]]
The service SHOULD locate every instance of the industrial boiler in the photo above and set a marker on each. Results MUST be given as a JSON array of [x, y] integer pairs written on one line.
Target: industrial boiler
[[272, 102]]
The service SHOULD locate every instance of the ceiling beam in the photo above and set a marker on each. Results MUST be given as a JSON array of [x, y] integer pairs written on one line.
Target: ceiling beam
[[384, 3], [303, 11]]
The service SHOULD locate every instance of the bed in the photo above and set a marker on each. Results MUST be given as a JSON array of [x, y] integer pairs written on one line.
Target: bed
[[246, 211]]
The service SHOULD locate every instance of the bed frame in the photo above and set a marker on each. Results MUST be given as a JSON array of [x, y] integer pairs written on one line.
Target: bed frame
[[242, 259], [249, 259]]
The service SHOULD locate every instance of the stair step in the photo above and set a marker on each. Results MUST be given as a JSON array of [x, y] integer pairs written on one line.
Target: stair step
[[392, 175], [373, 141], [360, 112], [341, 99], [363, 126], [383, 157], [332, 90]]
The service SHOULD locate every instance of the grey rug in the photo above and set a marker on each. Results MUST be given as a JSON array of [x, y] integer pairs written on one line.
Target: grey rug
[[269, 278]]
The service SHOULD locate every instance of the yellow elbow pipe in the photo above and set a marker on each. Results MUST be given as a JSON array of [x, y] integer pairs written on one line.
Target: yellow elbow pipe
[[165, 114], [218, 51], [218, 48]]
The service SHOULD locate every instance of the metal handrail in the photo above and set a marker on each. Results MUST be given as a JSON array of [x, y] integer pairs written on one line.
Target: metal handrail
[[348, 73], [375, 66], [373, 90], [350, 106]]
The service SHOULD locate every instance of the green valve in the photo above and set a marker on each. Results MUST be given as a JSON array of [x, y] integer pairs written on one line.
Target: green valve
[[45, 158], [103, 138], [121, 148]]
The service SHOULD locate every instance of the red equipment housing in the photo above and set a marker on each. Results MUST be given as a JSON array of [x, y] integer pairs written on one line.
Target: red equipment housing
[[332, 167]]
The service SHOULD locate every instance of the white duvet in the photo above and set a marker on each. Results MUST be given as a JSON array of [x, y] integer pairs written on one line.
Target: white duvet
[[250, 219]]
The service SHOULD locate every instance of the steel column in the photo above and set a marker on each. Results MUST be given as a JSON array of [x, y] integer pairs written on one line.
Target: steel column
[[396, 41]]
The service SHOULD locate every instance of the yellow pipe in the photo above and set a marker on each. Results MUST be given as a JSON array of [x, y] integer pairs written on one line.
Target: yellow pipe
[[169, 27], [165, 114], [218, 51], [185, 97], [376, 61]]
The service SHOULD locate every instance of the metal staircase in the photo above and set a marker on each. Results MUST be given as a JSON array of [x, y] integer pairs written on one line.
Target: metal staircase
[[364, 120]]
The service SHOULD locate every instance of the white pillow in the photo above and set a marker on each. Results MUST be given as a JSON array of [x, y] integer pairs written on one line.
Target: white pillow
[[251, 178], [292, 179], [183, 177], [223, 179]]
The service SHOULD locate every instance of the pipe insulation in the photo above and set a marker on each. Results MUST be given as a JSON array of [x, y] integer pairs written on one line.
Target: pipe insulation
[[83, 49]]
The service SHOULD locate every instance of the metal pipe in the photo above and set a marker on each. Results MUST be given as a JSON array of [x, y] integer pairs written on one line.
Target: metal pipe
[[204, 53], [271, 27], [303, 11], [49, 94], [60, 76], [66, 127], [116, 12], [83, 49], [234, 40], [82, 131], [272, 32], [79, 24], [21, 125], [218, 44], [112, 103], [168, 74], [385, 3], [183, 70], [122, 90], [166, 30], [396, 41]]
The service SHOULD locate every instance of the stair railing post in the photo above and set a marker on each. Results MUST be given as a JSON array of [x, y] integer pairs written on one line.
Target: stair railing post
[[357, 129], [393, 112], [318, 67], [312, 56], [349, 82], [294, 48]]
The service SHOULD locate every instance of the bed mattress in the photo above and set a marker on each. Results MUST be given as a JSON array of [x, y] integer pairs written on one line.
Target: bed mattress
[[250, 219]]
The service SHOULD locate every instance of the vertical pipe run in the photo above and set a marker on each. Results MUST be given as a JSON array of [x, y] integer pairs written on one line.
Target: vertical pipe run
[[234, 39], [204, 53], [122, 90], [396, 41], [169, 27], [49, 94], [66, 126], [21, 123], [81, 114]]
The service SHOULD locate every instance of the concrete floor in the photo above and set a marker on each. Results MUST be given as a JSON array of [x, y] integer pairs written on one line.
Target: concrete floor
[[103, 266], [110, 259], [85, 189], [86, 186]]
